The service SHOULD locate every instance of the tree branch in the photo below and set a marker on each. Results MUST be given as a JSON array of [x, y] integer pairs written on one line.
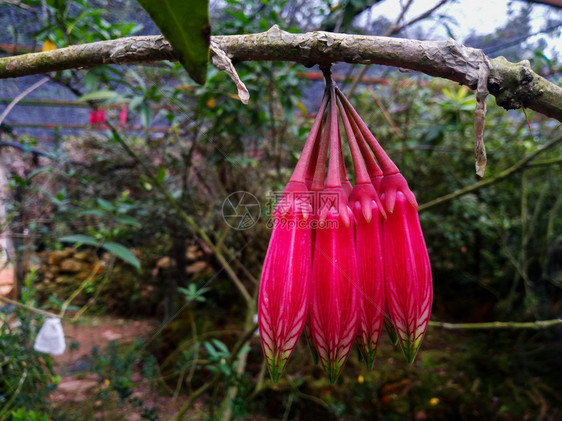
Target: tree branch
[[539, 324], [514, 84], [522, 164]]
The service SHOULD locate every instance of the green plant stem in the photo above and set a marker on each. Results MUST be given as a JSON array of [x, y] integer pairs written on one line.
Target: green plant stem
[[101, 285], [193, 397], [241, 362], [539, 324], [551, 232], [188, 219], [216, 378], [260, 381], [8, 404], [504, 174], [182, 378], [546, 162], [79, 289]]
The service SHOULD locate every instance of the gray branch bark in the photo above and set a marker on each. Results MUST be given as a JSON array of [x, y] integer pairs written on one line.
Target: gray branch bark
[[514, 85]]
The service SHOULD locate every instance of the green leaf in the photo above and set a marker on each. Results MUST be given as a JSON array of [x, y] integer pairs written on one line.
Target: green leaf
[[135, 102], [185, 24], [161, 175], [94, 212], [145, 113], [122, 252], [37, 172], [210, 349], [97, 95], [105, 205], [79, 238], [129, 220], [221, 346]]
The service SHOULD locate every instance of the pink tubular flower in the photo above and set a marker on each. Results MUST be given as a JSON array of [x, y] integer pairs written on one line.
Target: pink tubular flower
[[285, 281], [334, 304], [409, 290], [369, 217], [368, 241], [334, 298], [344, 259], [408, 281]]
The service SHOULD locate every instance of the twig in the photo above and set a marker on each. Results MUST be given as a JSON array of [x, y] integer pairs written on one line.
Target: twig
[[6, 406], [546, 162], [424, 15], [504, 174], [539, 324], [193, 397], [21, 96], [30, 308], [25, 148], [391, 30], [385, 113], [106, 277], [19, 4], [394, 29], [78, 290], [241, 359]]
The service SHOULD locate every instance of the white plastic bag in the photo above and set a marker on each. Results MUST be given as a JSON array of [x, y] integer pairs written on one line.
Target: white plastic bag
[[50, 339]]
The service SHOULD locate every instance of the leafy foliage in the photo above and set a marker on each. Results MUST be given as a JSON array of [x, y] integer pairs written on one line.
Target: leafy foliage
[[26, 376]]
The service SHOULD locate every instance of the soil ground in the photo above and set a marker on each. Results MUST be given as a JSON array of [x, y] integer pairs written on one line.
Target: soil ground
[[80, 392]]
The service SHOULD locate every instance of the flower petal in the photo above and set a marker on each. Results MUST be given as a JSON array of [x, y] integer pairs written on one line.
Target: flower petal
[[284, 289]]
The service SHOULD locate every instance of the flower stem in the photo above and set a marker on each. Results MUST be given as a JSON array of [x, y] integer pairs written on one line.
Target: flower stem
[[343, 172], [327, 71], [318, 181], [310, 146], [372, 167], [361, 174], [333, 178], [388, 167]]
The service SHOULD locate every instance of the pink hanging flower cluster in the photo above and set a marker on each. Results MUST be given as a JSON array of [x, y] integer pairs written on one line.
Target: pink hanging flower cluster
[[343, 260]]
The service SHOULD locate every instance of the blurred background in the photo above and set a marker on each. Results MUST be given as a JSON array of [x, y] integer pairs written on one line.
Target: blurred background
[[123, 233]]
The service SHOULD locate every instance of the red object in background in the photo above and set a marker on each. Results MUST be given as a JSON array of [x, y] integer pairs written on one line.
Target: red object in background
[[93, 117], [97, 116], [101, 116], [123, 116]]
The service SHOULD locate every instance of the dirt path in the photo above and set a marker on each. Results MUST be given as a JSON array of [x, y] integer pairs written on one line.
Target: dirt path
[[98, 332], [81, 391]]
